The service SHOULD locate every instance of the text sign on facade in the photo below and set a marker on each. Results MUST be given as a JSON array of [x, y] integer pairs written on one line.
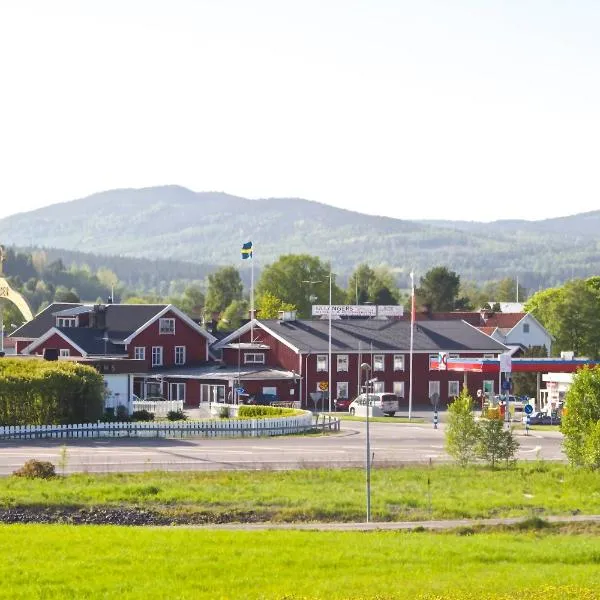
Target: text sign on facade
[[389, 310], [344, 310]]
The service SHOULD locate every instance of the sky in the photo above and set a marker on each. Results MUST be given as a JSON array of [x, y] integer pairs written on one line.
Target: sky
[[428, 109]]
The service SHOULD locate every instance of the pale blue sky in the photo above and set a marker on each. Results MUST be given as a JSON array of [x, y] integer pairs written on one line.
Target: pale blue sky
[[412, 109]]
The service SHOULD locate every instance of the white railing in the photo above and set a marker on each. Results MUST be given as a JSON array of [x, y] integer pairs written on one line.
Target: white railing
[[202, 428], [160, 408]]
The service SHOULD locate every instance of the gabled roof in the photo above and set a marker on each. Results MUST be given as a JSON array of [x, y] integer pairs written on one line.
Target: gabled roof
[[504, 320], [88, 342], [43, 321], [123, 321], [352, 335]]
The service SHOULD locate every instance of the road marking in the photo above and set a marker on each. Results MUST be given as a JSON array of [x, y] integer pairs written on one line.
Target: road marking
[[535, 449]]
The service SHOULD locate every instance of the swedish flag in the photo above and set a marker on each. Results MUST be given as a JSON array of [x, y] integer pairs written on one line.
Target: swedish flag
[[247, 250]]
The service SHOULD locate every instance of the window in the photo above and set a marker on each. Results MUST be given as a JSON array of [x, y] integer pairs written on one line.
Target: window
[[178, 391], [525, 327], [157, 356], [453, 389], [180, 355], [342, 364], [398, 362], [398, 389], [488, 386], [66, 322], [321, 362], [378, 362], [342, 389], [254, 358], [139, 353], [434, 388], [378, 387], [65, 352], [488, 355], [166, 326]]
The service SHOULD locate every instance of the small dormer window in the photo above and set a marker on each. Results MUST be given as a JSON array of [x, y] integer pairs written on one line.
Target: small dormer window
[[254, 358], [66, 321], [166, 327], [525, 327]]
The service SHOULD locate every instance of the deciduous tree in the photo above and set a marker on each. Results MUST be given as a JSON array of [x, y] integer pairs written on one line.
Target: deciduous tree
[[224, 286], [438, 289]]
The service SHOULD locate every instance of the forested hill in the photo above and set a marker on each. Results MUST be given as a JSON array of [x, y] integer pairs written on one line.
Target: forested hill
[[172, 222]]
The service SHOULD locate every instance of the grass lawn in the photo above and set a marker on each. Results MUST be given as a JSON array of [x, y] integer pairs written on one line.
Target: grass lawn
[[53, 561], [411, 493]]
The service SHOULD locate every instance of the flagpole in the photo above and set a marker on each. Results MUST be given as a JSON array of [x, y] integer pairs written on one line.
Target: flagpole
[[252, 296], [412, 329]]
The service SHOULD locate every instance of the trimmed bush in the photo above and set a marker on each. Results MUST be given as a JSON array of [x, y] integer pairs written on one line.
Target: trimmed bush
[[249, 410], [176, 415], [142, 415], [41, 392], [36, 469], [224, 412]]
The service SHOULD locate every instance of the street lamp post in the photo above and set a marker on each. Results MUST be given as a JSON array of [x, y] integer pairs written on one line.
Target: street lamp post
[[366, 368]]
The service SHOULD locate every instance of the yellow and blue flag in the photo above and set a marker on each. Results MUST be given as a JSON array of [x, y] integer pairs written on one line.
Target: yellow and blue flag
[[247, 250]]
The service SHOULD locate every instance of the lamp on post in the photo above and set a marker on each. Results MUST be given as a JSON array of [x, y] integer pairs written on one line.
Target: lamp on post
[[366, 368]]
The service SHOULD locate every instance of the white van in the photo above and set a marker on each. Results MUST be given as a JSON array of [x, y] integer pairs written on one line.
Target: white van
[[380, 403]]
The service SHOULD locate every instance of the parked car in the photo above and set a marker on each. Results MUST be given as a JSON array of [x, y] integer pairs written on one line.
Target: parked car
[[263, 399], [387, 403], [341, 403], [541, 418]]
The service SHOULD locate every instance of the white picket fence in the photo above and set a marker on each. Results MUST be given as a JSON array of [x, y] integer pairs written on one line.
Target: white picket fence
[[160, 408], [201, 428]]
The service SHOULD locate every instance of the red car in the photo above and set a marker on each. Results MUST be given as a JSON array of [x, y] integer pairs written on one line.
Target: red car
[[341, 403]]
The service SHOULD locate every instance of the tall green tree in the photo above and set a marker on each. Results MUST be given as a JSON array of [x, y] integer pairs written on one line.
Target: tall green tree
[[580, 419], [572, 315], [294, 278], [269, 306], [234, 315], [438, 289], [504, 290], [377, 286], [224, 286]]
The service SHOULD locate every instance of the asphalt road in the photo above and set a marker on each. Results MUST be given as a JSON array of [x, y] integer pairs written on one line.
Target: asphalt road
[[391, 444]]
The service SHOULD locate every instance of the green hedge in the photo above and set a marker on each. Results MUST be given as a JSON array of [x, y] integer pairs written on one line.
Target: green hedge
[[41, 392], [248, 410]]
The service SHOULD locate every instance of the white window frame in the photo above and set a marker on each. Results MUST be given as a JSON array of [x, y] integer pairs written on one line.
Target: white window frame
[[322, 363], [342, 389], [378, 362], [166, 326], [181, 351], [254, 358], [64, 352], [453, 388], [157, 356], [342, 363], [139, 353], [434, 387], [66, 322], [398, 388], [398, 362], [177, 391]]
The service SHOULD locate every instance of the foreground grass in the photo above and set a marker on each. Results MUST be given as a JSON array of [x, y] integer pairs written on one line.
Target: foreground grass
[[130, 563], [412, 493]]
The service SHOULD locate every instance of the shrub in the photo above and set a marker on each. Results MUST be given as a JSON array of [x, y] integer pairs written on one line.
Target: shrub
[[250, 410], [142, 415], [122, 413], [224, 412], [495, 443], [461, 432], [176, 415], [36, 469]]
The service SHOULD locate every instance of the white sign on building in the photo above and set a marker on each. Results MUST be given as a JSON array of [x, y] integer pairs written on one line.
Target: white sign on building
[[344, 310]]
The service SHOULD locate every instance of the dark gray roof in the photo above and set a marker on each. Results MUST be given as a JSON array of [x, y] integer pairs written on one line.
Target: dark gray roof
[[44, 320], [350, 335], [121, 319], [92, 341]]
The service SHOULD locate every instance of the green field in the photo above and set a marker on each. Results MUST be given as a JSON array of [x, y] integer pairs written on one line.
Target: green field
[[411, 493], [126, 563]]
